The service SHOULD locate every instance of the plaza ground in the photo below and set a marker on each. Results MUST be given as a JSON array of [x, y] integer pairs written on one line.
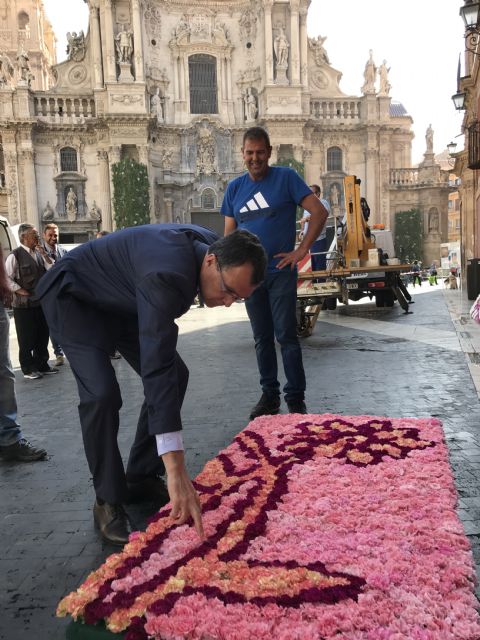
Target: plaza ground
[[359, 360]]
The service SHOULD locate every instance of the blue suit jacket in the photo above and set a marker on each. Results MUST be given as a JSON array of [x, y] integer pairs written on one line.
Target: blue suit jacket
[[150, 273]]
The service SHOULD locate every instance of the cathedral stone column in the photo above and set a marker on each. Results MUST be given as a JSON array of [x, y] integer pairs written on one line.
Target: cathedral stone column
[[143, 159], [11, 179], [96, 46], [111, 74], [30, 186], [113, 158], [104, 195], [137, 41], [294, 47], [268, 42], [303, 48]]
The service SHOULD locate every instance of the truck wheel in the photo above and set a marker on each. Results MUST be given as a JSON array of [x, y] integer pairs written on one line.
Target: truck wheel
[[331, 304]]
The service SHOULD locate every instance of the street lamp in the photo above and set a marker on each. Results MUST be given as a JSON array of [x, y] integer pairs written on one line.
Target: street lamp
[[470, 16], [459, 100], [451, 147]]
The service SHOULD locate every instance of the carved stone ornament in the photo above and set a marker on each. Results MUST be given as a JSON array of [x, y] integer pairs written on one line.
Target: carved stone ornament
[[205, 152], [152, 20], [319, 53], [248, 25], [6, 70], [77, 74], [48, 213], [76, 46], [126, 99]]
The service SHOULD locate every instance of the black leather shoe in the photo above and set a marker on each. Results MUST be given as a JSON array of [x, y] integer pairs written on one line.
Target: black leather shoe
[[148, 488], [113, 523], [297, 406], [268, 405], [22, 451]]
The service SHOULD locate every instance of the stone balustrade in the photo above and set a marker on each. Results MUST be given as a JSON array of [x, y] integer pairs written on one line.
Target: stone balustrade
[[335, 109], [401, 177], [66, 109]]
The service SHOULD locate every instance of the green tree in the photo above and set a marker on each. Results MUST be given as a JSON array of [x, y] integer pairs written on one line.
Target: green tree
[[131, 193], [409, 235], [297, 166]]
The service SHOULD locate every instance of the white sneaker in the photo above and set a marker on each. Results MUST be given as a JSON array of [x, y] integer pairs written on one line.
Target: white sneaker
[[60, 360], [34, 375]]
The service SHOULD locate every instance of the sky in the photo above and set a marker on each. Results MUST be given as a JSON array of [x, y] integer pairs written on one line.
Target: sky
[[420, 40]]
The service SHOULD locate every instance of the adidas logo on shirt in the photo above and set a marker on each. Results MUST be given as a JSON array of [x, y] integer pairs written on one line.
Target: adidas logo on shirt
[[257, 202]]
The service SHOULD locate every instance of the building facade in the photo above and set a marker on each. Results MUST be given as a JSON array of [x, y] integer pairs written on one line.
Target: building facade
[[175, 86]]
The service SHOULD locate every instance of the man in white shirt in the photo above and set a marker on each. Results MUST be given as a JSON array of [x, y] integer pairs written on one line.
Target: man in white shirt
[[25, 266], [319, 247]]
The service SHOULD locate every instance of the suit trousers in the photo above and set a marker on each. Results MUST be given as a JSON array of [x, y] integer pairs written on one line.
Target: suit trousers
[[32, 336], [88, 336]]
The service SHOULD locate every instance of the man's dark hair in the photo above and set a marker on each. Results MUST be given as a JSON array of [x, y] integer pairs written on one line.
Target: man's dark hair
[[238, 248], [50, 225], [316, 189], [256, 133]]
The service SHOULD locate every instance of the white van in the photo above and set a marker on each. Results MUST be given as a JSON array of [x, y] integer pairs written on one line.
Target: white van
[[7, 238]]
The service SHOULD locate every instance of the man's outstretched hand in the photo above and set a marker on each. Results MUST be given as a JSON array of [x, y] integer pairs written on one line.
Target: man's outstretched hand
[[184, 498]]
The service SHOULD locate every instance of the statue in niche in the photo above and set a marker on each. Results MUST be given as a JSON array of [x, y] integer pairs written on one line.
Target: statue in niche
[[334, 194], [24, 66], [167, 159], [429, 139], [385, 85], [280, 47], [318, 49], [247, 22], [76, 46], [182, 29], [6, 70], [369, 75], [124, 45], [433, 221], [71, 205], [205, 152], [156, 106], [95, 212], [220, 33], [48, 213], [250, 102]]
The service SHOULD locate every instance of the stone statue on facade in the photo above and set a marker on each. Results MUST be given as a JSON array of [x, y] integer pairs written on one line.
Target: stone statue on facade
[[385, 85], [220, 33], [369, 75], [280, 47], [250, 102], [95, 212], [24, 66], [76, 46], [248, 23], [429, 139], [156, 105], [167, 159], [433, 221], [48, 213], [182, 29], [6, 70], [334, 194], [205, 153], [71, 205], [124, 45], [319, 52]]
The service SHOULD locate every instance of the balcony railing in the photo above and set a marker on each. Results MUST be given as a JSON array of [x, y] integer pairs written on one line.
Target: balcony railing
[[474, 145], [64, 109], [401, 177], [335, 109]]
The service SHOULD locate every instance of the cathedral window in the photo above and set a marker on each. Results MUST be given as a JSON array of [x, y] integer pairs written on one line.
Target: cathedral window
[[334, 159], [208, 199], [202, 73], [23, 21], [68, 159]]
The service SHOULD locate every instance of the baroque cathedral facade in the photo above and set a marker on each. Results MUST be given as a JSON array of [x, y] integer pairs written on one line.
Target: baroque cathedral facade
[[174, 85]]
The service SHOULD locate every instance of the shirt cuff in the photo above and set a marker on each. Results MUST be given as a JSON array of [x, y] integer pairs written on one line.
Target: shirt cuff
[[166, 442]]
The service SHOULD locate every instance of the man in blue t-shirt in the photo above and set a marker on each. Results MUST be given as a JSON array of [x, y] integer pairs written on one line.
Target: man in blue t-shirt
[[264, 201]]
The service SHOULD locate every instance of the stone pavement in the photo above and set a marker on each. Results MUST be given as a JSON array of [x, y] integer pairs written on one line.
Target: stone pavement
[[359, 360]]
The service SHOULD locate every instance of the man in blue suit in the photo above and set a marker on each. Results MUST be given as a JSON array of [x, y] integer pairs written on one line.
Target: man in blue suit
[[126, 290]]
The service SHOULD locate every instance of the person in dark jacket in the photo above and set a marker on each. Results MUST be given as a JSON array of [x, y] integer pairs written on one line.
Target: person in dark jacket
[[126, 290]]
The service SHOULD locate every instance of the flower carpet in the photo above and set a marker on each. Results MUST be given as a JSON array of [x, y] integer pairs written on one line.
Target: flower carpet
[[318, 527]]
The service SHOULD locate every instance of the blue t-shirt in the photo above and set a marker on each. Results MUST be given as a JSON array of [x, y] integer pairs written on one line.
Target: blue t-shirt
[[267, 208]]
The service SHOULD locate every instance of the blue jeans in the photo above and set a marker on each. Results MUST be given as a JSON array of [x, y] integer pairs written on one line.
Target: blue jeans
[[319, 263], [272, 312], [9, 429]]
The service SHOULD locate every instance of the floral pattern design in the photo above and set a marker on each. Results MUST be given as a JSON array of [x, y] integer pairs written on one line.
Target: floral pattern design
[[328, 527]]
